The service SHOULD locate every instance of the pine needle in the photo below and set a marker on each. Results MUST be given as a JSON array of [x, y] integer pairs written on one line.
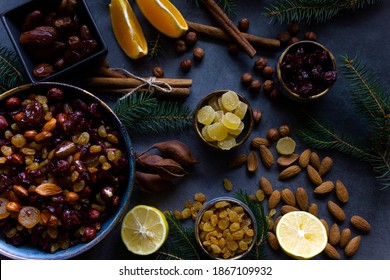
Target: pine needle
[[10, 74]]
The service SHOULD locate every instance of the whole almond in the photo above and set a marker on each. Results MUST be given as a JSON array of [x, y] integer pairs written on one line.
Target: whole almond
[[289, 172], [13, 207], [266, 156], [302, 198], [272, 241], [258, 141], [274, 199], [313, 209], [326, 226], [313, 175], [20, 190], [341, 192], [252, 162], [288, 197], [287, 209], [353, 246], [324, 188], [331, 252], [326, 166], [336, 211], [287, 160], [360, 223], [48, 189], [345, 237], [237, 160], [276, 223], [50, 125], [304, 158], [334, 234], [266, 186], [315, 160]]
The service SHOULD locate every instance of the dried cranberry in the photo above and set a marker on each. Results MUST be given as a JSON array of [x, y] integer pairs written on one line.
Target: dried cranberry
[[89, 233], [330, 77], [93, 215], [55, 94], [69, 219]]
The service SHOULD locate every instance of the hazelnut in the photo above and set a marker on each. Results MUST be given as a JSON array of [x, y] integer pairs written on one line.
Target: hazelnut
[[272, 134], [257, 115], [180, 46], [311, 36], [293, 40], [158, 72], [284, 130], [186, 65], [255, 86], [246, 79], [293, 28], [268, 86], [274, 95], [284, 37], [3, 124], [268, 71], [243, 25], [198, 54], [233, 48], [191, 39], [260, 63], [12, 103]]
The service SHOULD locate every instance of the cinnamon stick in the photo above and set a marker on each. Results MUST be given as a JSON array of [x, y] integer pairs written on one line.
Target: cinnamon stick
[[109, 82], [175, 93], [229, 27], [219, 34]]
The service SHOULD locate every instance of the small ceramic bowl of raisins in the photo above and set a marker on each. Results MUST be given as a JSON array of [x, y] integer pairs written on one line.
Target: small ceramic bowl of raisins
[[53, 39], [306, 71], [225, 228], [66, 171], [223, 120]]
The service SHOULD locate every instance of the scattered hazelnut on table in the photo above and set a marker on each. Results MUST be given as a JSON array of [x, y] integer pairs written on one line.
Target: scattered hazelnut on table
[[274, 95], [186, 65], [158, 72], [268, 86], [180, 46], [257, 115], [255, 86], [284, 130], [311, 36], [246, 79], [198, 54], [284, 37], [243, 24], [191, 39], [293, 40], [232, 48], [268, 71], [272, 134], [293, 28], [260, 63]]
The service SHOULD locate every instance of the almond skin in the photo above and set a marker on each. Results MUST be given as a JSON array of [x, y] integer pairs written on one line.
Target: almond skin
[[237, 160], [331, 252], [345, 237], [325, 225], [274, 199], [324, 188], [326, 166], [48, 189], [302, 198], [334, 235], [313, 175], [304, 158], [288, 197], [287, 209], [341, 192], [313, 209], [315, 160], [353, 246], [258, 141], [336, 211], [360, 223], [287, 160], [273, 241], [266, 186], [289, 172], [266, 156], [252, 162]]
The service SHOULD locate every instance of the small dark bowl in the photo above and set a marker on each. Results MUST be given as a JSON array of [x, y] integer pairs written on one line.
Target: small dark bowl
[[247, 120], [112, 219], [307, 46], [13, 19], [234, 202]]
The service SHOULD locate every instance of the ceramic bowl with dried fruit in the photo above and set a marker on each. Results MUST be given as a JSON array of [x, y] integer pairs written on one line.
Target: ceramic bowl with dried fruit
[[66, 171], [225, 228], [223, 119], [306, 71], [54, 38]]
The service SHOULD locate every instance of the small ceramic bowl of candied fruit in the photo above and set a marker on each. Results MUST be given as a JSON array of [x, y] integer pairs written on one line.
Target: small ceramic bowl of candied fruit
[[306, 71], [223, 119], [225, 228]]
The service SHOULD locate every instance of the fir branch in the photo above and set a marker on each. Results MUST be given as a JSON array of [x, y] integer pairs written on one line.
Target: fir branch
[[318, 11], [257, 252], [142, 113], [155, 45], [10, 74], [181, 244]]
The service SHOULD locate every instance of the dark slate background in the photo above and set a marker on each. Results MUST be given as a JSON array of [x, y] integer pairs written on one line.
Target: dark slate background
[[364, 33]]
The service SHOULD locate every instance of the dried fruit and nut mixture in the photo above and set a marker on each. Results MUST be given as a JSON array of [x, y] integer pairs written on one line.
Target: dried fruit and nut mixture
[[61, 169]]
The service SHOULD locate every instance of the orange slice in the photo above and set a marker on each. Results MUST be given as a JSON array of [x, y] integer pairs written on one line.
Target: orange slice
[[164, 16], [127, 29]]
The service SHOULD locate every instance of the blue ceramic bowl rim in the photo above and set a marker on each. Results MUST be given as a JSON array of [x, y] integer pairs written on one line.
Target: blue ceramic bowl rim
[[29, 252], [102, 51]]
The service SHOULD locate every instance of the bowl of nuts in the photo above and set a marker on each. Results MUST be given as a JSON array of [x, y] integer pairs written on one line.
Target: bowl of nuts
[[66, 171], [54, 38], [225, 228], [223, 119], [306, 71]]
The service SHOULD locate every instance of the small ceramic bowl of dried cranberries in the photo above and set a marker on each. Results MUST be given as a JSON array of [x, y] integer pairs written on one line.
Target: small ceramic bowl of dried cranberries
[[306, 71], [225, 228], [66, 171]]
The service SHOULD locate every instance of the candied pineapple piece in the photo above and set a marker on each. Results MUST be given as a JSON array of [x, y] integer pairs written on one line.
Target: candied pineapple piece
[[218, 116], [205, 134], [230, 121], [230, 100], [241, 110], [227, 143], [206, 115], [217, 131], [238, 131], [213, 102]]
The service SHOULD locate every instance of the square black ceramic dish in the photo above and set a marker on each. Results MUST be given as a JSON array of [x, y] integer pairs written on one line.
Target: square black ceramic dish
[[14, 18]]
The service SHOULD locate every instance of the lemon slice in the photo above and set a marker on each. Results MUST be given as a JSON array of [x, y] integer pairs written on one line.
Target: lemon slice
[[164, 16], [301, 235], [144, 230], [127, 29], [285, 146]]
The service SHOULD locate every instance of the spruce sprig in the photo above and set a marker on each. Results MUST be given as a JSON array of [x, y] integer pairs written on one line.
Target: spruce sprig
[[372, 102], [11, 74], [142, 113], [308, 11]]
